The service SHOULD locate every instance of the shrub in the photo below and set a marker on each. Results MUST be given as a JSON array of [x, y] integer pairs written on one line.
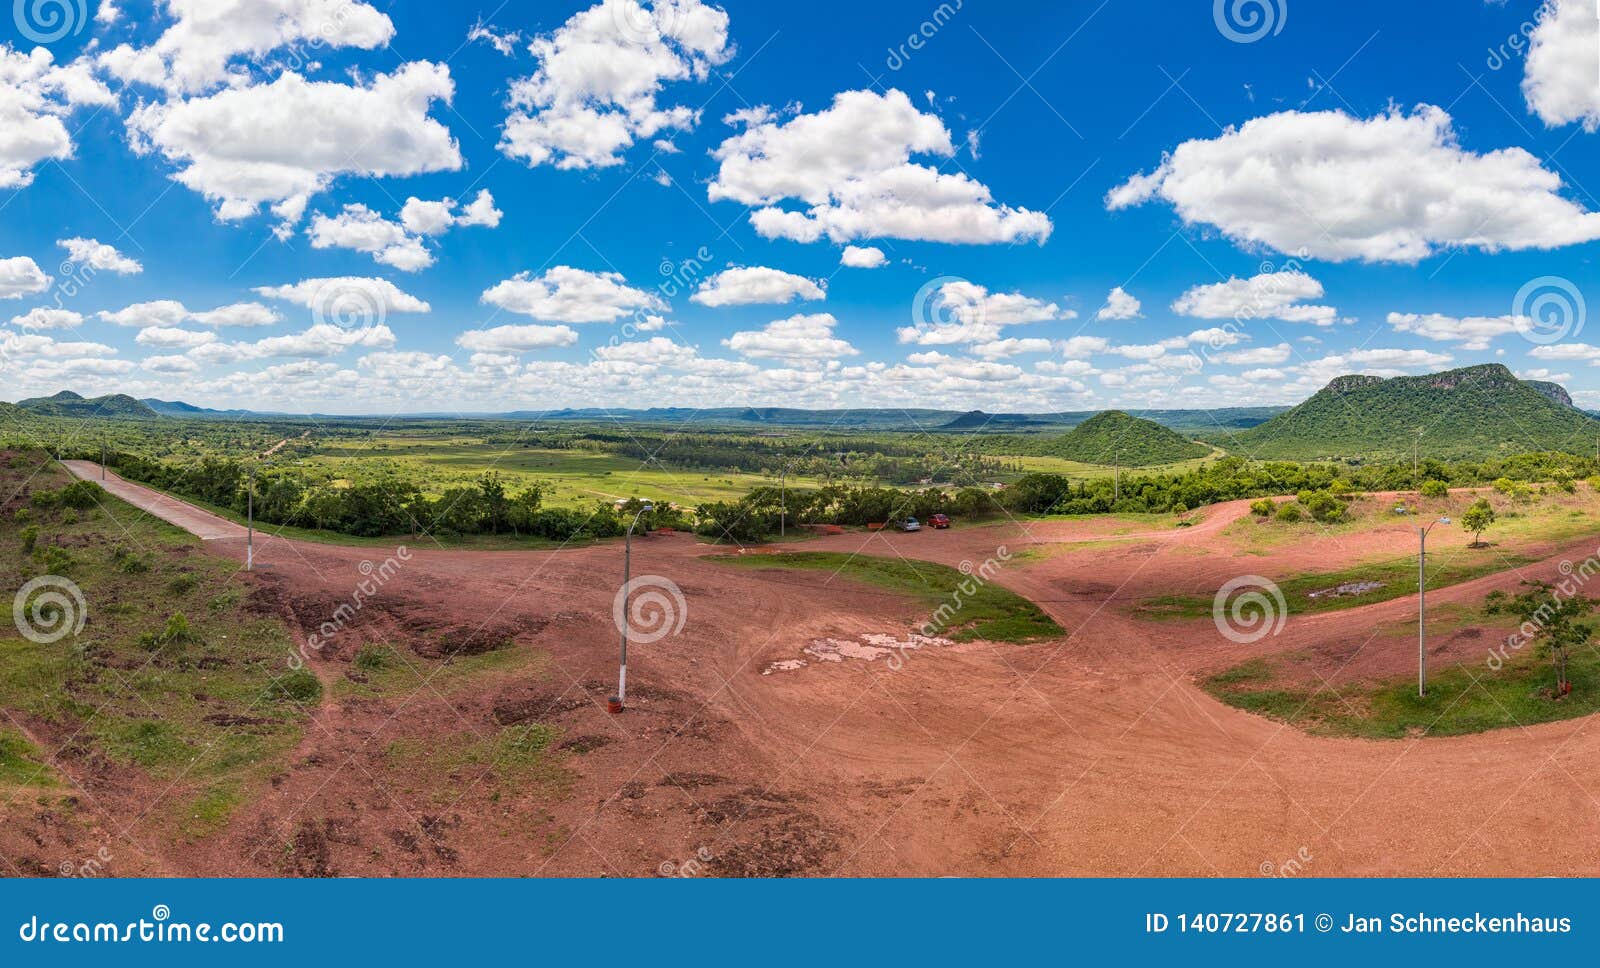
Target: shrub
[[183, 584], [301, 686], [1262, 508], [1433, 488], [30, 537], [372, 658], [1290, 513]]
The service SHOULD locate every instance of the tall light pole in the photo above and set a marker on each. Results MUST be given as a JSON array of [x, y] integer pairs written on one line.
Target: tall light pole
[[627, 567], [1422, 607], [250, 522]]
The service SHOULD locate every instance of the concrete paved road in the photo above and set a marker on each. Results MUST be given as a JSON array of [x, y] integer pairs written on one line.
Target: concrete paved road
[[203, 524]]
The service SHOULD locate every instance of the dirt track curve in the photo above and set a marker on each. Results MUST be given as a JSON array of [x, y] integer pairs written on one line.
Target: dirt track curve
[[1093, 754]]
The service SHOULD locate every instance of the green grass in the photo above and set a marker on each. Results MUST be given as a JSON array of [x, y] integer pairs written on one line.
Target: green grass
[[520, 758], [1399, 576], [977, 609], [571, 478], [1466, 698], [21, 763], [194, 703]]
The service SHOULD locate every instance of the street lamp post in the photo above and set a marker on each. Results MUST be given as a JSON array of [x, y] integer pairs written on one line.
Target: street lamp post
[[627, 567], [1422, 606]]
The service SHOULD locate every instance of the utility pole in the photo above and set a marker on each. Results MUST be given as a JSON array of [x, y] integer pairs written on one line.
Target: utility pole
[[783, 503], [1116, 476], [250, 522], [627, 567], [1422, 607]]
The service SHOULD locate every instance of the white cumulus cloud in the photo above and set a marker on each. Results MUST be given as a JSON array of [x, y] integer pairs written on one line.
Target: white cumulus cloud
[[567, 295], [1393, 188], [748, 285], [850, 167]]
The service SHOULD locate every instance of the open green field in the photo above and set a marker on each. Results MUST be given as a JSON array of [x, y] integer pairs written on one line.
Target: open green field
[[976, 609], [572, 477], [1465, 698]]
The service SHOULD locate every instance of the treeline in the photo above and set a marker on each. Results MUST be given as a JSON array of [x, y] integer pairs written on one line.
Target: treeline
[[387, 506]]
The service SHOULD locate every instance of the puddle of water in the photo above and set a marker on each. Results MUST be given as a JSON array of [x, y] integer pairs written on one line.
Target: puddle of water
[[1348, 589], [867, 648]]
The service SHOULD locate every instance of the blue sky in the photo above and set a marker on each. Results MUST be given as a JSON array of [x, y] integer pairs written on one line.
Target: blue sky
[[1362, 187]]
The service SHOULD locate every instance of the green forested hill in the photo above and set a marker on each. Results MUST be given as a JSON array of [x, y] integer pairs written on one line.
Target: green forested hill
[[1470, 413], [69, 404], [1111, 437]]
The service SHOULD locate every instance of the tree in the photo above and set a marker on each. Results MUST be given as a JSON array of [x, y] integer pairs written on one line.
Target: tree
[[1477, 520], [1556, 622]]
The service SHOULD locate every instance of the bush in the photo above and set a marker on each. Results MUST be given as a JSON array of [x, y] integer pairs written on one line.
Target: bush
[[1262, 508], [372, 658], [301, 686], [30, 537], [1290, 513], [183, 584], [1435, 489]]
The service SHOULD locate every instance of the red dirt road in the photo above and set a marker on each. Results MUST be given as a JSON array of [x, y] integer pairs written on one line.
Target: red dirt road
[[1092, 754]]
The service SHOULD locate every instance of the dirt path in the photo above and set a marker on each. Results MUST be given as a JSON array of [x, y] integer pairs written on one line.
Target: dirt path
[[1092, 754], [202, 524]]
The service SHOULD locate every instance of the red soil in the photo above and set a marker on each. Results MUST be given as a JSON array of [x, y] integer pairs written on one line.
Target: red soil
[[1092, 754]]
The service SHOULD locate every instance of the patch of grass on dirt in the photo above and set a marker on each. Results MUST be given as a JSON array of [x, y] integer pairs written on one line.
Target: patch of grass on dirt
[[1465, 698], [21, 763], [173, 673], [1397, 575], [520, 757], [965, 606], [384, 670]]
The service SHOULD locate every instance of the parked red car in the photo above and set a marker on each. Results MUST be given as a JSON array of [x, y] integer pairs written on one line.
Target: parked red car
[[940, 521]]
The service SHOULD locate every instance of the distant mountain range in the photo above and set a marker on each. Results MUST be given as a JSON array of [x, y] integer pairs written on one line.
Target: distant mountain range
[[1474, 412]]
